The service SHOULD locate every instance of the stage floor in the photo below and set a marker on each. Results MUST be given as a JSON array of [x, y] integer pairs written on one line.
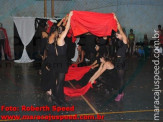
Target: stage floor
[[20, 85]]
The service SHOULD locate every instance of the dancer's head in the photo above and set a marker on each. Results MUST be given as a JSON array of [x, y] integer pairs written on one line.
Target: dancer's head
[[159, 27], [79, 48], [119, 36], [53, 31], [131, 30], [105, 58], [61, 29]]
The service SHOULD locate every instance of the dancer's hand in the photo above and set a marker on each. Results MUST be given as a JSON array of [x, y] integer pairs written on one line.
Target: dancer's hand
[[115, 17], [91, 82], [71, 13], [47, 68]]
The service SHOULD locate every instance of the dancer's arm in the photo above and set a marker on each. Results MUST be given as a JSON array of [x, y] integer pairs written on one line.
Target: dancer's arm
[[98, 73], [64, 33], [125, 39], [60, 22], [94, 63], [77, 60], [94, 66], [44, 55], [82, 57], [63, 20]]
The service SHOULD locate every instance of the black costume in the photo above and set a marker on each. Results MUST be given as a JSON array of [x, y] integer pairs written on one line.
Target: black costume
[[121, 62], [109, 79], [56, 62], [70, 49], [102, 44], [90, 47]]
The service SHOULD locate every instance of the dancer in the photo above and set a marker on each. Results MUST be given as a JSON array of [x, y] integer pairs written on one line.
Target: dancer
[[131, 38], [80, 62], [101, 50], [106, 74], [121, 58], [60, 67], [90, 47], [56, 62]]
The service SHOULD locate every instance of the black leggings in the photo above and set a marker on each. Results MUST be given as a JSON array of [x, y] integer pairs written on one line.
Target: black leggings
[[59, 79], [121, 74]]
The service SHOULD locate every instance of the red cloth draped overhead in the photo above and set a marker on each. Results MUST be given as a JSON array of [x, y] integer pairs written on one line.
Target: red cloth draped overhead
[[98, 24], [7, 46], [76, 73]]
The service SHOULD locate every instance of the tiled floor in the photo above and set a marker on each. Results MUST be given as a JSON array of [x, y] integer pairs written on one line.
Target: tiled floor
[[20, 85]]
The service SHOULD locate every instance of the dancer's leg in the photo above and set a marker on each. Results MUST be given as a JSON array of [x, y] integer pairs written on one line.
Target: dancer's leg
[[121, 78], [60, 85]]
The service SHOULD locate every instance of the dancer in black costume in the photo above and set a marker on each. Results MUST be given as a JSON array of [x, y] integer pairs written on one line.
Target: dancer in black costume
[[121, 58], [106, 74], [56, 61], [90, 47], [101, 51]]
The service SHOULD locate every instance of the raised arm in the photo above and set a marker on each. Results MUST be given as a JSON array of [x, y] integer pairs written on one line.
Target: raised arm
[[64, 33], [125, 39], [59, 24], [65, 21]]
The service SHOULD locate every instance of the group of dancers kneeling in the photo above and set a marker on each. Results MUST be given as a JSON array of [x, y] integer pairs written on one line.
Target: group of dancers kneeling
[[55, 68]]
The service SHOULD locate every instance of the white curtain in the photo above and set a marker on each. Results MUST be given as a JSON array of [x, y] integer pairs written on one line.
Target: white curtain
[[26, 31]]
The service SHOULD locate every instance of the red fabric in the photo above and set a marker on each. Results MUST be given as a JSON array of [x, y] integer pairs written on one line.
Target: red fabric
[[7, 46], [98, 24], [70, 34], [77, 92], [76, 73], [161, 39], [50, 23]]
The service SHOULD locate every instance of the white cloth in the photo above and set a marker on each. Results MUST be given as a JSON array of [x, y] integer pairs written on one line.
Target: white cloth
[[76, 51], [26, 31]]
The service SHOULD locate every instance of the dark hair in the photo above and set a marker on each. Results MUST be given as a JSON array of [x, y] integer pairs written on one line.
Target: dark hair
[[61, 29], [159, 26], [53, 29], [131, 30], [106, 57], [117, 32]]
